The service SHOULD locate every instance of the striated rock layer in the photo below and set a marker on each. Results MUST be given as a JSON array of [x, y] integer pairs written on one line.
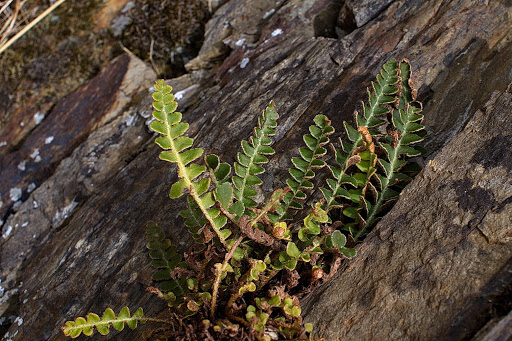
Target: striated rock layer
[[442, 259]]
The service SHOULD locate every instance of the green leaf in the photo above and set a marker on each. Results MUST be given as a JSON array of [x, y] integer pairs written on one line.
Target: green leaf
[[249, 161], [164, 257], [177, 189], [338, 239], [237, 208], [75, 328], [292, 250], [224, 194], [350, 212], [353, 134], [190, 155], [201, 186], [348, 252]]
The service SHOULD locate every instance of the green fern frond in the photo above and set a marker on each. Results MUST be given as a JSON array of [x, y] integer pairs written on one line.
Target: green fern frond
[[384, 92], [249, 161], [176, 150], [406, 120], [165, 259], [310, 158], [219, 171], [86, 325]]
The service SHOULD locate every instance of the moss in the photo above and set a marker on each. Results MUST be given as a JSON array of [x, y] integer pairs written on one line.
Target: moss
[[54, 58], [67, 49], [175, 28]]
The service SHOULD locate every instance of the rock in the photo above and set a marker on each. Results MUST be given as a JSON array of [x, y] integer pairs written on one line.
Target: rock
[[51, 201], [437, 265], [67, 125], [501, 331], [366, 10], [96, 258]]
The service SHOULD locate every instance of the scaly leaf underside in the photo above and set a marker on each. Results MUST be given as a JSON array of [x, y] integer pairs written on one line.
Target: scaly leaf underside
[[384, 92], [249, 161], [176, 150], [303, 171], [87, 325]]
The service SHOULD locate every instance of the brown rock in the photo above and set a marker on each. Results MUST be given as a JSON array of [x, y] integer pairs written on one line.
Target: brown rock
[[460, 51], [437, 267], [67, 126]]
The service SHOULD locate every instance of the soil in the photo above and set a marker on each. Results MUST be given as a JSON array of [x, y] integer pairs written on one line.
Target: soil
[[79, 38]]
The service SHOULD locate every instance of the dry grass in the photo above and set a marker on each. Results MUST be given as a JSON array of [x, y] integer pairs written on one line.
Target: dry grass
[[17, 20]]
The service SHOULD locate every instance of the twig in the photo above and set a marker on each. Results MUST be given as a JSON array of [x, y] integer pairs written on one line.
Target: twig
[[220, 271], [30, 25]]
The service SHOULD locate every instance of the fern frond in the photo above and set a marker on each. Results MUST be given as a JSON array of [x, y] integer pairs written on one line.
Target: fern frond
[[249, 161], [384, 92], [406, 120], [176, 150], [86, 325], [310, 158], [219, 171], [165, 259]]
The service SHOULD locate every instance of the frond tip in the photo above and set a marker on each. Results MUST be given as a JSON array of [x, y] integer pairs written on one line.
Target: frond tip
[[86, 325]]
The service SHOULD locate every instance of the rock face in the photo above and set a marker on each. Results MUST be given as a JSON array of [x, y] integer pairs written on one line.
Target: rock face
[[440, 255]]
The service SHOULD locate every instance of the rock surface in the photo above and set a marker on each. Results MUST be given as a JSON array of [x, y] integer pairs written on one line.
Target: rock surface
[[93, 256], [442, 256]]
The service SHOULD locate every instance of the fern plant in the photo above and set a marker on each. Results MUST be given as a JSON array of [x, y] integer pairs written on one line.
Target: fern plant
[[251, 265]]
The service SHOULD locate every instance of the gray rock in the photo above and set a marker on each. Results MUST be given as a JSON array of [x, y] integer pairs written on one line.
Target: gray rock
[[439, 263], [460, 52]]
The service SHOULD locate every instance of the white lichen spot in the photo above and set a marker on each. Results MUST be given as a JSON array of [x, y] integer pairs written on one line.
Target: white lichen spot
[[2, 290], [22, 165], [7, 230], [128, 7], [22, 124], [79, 244], [35, 153], [65, 212], [3, 143], [48, 140], [35, 203], [129, 121], [244, 63], [240, 42], [277, 32], [19, 321], [25, 300], [15, 194], [38, 117], [151, 90], [179, 95], [269, 13], [31, 187], [34, 236], [25, 224]]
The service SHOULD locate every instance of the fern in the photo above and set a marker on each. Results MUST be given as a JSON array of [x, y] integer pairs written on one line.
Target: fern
[[165, 260], [259, 264], [310, 158], [384, 92], [176, 150], [87, 325], [249, 161], [406, 120]]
